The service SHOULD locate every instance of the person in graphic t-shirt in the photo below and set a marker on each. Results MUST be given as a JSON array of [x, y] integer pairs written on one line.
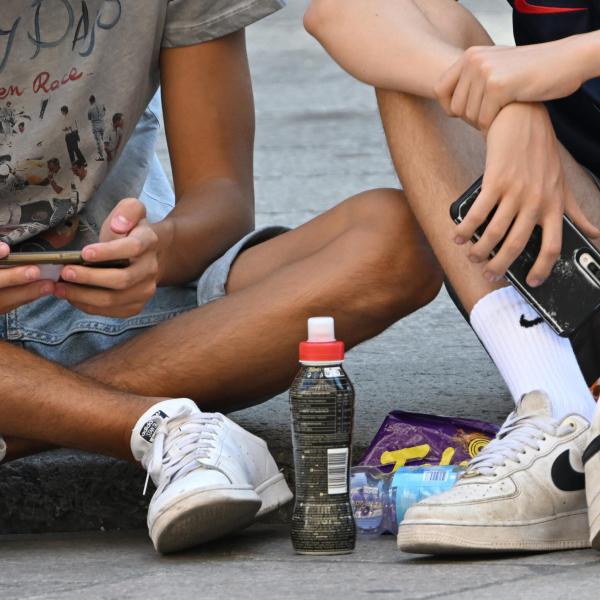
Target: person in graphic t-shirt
[[529, 116], [115, 137], [168, 343], [96, 114], [71, 130]]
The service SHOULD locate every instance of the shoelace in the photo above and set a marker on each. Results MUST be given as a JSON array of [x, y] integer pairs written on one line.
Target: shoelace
[[517, 434], [180, 444]]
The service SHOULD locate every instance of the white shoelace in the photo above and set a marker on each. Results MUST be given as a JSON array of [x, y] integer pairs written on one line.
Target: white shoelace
[[180, 445], [516, 435]]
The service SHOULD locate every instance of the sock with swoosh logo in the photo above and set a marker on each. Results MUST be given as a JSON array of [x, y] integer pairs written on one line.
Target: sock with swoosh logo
[[529, 354]]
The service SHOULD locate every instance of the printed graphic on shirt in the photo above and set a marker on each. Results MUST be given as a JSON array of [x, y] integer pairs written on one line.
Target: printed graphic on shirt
[[76, 77], [54, 149]]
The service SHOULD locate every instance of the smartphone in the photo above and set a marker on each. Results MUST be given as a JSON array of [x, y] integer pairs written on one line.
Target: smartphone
[[71, 257], [571, 294]]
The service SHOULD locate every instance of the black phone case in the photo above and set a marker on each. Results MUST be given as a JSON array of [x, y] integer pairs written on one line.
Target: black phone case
[[567, 299]]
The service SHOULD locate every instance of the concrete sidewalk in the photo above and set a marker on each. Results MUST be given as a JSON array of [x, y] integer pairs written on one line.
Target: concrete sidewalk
[[260, 563], [318, 141]]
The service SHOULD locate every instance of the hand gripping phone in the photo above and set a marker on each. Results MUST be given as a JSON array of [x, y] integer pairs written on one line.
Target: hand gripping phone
[[571, 294]]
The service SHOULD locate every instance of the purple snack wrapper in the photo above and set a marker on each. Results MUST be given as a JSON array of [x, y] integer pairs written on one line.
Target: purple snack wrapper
[[415, 439]]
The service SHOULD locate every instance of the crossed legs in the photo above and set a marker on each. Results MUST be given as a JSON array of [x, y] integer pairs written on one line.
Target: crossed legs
[[365, 262]]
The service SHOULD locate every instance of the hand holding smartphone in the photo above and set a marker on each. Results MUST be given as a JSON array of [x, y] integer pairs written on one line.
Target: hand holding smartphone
[[97, 280], [571, 294]]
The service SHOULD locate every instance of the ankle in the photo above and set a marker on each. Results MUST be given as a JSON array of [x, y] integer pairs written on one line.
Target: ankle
[[142, 406]]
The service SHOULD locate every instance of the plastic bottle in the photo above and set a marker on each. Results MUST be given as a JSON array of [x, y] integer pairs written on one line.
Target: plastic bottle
[[322, 407], [380, 500]]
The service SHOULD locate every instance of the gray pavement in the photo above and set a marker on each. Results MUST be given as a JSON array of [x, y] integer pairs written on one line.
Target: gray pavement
[[318, 141], [260, 563]]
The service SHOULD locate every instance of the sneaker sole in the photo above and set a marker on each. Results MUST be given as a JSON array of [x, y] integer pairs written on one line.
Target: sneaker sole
[[274, 493], [565, 532], [595, 534], [203, 517], [592, 488]]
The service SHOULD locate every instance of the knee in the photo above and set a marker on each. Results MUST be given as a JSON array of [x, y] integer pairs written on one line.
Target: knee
[[319, 13], [314, 15], [392, 258]]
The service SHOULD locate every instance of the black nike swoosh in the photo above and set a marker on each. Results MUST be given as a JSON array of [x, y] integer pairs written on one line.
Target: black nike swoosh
[[592, 449], [564, 476], [523, 322]]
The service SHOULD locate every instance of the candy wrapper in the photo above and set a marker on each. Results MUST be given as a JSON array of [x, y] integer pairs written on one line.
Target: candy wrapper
[[415, 439]]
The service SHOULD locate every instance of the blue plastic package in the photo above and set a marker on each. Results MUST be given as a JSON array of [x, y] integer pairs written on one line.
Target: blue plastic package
[[380, 500], [412, 484]]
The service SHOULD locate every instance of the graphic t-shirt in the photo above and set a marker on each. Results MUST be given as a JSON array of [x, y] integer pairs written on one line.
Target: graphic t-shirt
[[75, 79], [576, 119]]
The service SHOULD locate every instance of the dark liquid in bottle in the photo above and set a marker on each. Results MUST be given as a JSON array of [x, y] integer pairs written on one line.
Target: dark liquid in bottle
[[322, 405]]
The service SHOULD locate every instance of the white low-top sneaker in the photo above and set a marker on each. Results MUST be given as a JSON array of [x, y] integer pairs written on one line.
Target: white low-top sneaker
[[524, 492], [591, 461], [212, 476]]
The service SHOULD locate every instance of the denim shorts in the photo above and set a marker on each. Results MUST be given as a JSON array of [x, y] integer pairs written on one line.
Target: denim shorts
[[52, 328], [55, 330]]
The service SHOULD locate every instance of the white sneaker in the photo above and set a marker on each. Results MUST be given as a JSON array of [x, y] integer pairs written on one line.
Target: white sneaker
[[591, 461], [524, 492], [212, 476]]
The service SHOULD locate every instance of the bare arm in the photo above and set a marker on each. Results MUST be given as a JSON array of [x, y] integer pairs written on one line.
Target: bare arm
[[209, 118], [394, 44], [487, 78]]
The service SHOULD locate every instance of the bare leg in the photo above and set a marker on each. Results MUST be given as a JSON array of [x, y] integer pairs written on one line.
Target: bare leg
[[44, 402], [365, 262], [19, 447]]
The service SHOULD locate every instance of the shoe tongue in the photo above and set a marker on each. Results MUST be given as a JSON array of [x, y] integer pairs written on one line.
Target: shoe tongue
[[143, 432], [534, 403]]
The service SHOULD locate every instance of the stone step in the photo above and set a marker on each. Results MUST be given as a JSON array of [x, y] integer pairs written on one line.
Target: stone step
[[66, 491]]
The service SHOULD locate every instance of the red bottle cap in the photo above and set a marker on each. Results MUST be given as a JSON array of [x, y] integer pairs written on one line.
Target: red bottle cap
[[321, 346]]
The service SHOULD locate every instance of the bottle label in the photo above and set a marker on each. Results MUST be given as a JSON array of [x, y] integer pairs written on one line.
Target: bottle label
[[337, 471]]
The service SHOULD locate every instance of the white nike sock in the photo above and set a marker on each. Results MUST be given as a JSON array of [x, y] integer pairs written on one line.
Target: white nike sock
[[529, 354]]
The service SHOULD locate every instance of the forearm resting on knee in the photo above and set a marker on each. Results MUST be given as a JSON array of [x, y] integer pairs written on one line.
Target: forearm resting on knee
[[402, 45]]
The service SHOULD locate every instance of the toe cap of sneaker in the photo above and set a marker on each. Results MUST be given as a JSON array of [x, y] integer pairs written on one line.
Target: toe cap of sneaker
[[201, 480]]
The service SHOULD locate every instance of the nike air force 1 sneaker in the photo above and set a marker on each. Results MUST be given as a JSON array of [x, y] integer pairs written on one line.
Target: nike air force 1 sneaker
[[523, 492], [212, 476], [591, 461]]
